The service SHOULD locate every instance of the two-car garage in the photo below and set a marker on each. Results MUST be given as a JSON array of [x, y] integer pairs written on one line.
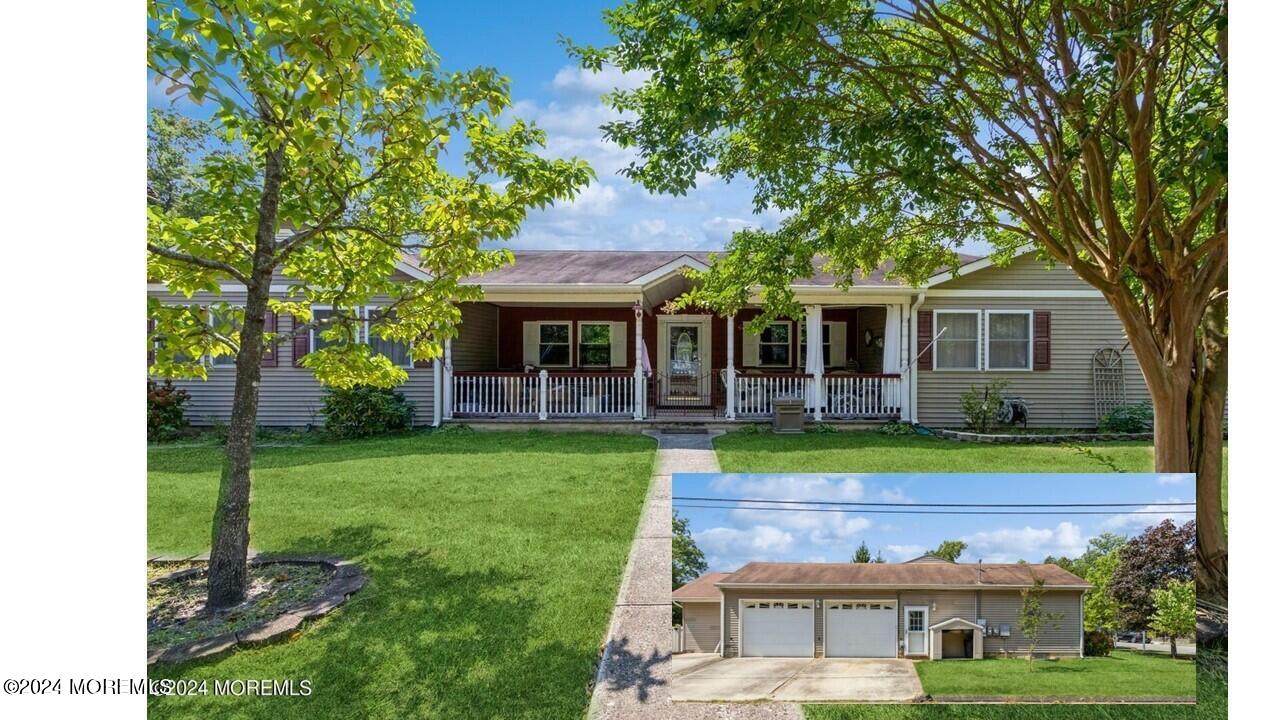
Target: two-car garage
[[851, 628]]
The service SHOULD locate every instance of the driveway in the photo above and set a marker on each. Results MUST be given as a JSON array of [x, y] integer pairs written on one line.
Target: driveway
[[797, 680]]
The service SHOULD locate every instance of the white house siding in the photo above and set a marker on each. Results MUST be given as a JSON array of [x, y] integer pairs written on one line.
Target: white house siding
[[1058, 639], [1079, 326], [288, 396], [701, 626]]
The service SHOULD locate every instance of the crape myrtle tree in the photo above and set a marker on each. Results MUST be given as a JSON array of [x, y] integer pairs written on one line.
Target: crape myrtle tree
[[1091, 132], [337, 117]]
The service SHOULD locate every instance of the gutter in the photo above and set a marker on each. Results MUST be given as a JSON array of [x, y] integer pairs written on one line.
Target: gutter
[[889, 586]]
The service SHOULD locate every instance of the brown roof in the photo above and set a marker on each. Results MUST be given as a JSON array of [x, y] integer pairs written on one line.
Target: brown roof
[[702, 587], [604, 267], [901, 574]]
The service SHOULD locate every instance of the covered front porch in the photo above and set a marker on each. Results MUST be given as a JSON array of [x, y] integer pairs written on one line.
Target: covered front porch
[[620, 358]]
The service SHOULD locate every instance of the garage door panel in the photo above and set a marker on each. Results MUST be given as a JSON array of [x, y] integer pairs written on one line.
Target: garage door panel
[[777, 629], [861, 629]]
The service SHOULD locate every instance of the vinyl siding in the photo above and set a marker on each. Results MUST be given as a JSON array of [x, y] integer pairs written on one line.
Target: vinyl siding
[[949, 604], [1062, 639], [1059, 397], [288, 396], [701, 627], [476, 347], [1023, 272]]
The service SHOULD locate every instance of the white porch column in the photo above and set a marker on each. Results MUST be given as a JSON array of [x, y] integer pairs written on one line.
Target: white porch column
[[637, 402], [543, 383], [813, 359], [730, 372], [447, 390]]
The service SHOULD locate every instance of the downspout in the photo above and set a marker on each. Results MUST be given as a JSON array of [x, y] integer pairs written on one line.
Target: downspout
[[437, 379], [913, 365]]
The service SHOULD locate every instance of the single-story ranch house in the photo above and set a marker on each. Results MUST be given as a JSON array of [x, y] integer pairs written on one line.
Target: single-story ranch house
[[923, 608], [584, 336]]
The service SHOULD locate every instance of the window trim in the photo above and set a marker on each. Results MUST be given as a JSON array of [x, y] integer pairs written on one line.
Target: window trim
[[801, 341], [368, 337], [1031, 340], [568, 324], [977, 342], [608, 326], [760, 344]]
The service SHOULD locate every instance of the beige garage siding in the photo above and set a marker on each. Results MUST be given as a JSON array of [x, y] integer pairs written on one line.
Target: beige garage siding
[[942, 604], [1060, 639], [289, 396], [701, 627]]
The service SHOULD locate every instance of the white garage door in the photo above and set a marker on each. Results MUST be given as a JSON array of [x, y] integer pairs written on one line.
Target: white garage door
[[777, 628], [861, 629]]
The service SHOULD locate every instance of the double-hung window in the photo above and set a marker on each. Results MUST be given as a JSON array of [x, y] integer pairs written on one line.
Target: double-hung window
[[775, 345], [225, 322], [593, 345], [321, 320], [394, 350], [554, 347], [1008, 340], [826, 344], [957, 344]]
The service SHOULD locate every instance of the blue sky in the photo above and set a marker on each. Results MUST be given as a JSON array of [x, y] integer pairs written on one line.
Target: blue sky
[[732, 537]]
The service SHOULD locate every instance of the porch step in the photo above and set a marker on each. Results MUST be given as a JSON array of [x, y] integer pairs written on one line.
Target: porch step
[[682, 431]]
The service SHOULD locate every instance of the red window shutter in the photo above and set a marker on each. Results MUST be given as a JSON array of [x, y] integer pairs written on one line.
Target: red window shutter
[[151, 343], [270, 358], [301, 342], [924, 338], [1040, 346]]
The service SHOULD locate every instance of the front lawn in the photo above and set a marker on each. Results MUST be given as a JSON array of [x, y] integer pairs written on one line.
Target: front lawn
[[1122, 674], [494, 562]]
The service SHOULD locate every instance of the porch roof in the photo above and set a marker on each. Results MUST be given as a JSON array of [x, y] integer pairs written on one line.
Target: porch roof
[[639, 267]]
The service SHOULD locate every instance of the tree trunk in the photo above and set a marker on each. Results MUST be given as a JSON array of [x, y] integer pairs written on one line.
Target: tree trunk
[[228, 557], [1173, 647], [1187, 379]]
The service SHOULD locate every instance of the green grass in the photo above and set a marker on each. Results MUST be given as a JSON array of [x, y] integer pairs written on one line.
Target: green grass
[[866, 451], [494, 562], [1122, 674], [1211, 704]]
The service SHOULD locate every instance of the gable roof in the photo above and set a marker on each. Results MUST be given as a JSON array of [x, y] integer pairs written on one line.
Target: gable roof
[[622, 267], [902, 575], [956, 623], [701, 588]]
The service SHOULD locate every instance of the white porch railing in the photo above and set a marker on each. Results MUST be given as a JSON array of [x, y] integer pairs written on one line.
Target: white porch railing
[[542, 395], [857, 396], [755, 393]]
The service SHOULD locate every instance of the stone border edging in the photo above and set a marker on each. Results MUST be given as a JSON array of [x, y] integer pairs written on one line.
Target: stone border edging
[[348, 578], [1030, 438]]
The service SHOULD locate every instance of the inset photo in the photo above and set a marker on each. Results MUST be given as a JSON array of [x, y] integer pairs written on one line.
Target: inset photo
[[908, 588]]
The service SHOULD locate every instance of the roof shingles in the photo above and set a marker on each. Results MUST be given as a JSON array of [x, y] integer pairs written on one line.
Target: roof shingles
[[901, 574]]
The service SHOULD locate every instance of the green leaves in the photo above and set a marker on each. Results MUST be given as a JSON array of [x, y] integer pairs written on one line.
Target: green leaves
[[349, 100]]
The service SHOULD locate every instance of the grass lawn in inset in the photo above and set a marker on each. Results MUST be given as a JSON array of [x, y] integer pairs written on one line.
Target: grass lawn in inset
[[494, 562], [1122, 674]]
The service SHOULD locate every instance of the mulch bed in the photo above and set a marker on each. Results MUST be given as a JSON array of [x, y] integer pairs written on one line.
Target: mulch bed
[[282, 593]]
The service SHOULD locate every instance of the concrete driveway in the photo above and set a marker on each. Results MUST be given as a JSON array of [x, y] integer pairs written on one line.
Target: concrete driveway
[[795, 680]]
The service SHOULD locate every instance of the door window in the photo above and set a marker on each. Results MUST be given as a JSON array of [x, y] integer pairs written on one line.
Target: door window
[[915, 621], [684, 349]]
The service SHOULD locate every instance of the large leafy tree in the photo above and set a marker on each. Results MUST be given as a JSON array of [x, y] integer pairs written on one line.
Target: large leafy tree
[[949, 550], [1093, 132], [1101, 611], [687, 559], [1148, 562], [1175, 615], [338, 118]]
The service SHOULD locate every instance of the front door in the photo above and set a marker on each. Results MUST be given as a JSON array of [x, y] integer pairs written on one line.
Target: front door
[[916, 627], [684, 359]]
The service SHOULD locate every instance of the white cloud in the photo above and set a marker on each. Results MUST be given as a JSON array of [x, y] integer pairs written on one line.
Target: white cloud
[[729, 548], [595, 199], [1139, 520], [721, 229], [571, 79], [898, 553], [1026, 543], [1174, 478]]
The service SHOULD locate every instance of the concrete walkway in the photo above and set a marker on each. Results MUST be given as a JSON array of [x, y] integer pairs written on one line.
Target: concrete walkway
[[634, 678]]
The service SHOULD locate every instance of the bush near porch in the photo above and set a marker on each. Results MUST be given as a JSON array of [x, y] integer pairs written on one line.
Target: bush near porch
[[494, 562]]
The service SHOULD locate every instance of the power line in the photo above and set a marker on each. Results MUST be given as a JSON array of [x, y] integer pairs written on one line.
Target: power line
[[905, 504], [942, 512]]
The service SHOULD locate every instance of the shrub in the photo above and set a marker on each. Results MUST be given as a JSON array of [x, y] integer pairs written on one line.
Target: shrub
[[365, 411], [1098, 643], [166, 410], [1136, 418], [982, 405], [896, 428]]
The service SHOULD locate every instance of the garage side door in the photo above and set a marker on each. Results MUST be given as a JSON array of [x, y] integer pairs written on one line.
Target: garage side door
[[777, 629], [861, 629]]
